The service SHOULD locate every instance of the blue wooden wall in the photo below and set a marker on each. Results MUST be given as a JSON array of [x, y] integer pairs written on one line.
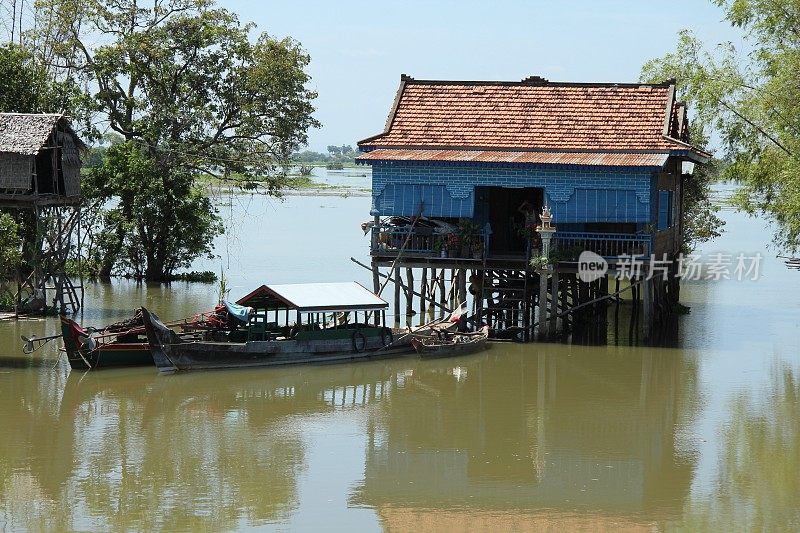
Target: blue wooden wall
[[576, 194]]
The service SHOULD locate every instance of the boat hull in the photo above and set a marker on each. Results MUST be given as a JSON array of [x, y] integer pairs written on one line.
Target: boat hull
[[171, 354], [430, 347], [112, 355], [103, 355]]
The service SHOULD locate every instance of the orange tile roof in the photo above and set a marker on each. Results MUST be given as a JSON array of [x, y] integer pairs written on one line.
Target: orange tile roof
[[532, 115], [496, 156]]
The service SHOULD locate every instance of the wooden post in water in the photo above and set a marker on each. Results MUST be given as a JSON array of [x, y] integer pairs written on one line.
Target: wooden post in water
[[423, 289], [634, 311], [616, 310], [573, 281], [442, 291], [543, 304], [397, 285], [451, 296], [432, 295], [647, 307], [563, 294], [603, 309], [462, 285], [410, 295], [583, 296], [554, 291]]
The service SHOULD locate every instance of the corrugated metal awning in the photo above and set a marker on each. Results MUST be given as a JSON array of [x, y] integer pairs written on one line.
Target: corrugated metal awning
[[610, 159], [311, 297]]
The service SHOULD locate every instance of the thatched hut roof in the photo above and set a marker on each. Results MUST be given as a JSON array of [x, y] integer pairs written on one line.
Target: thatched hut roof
[[25, 134]]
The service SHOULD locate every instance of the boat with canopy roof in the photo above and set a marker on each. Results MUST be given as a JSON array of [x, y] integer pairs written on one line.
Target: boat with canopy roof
[[286, 324]]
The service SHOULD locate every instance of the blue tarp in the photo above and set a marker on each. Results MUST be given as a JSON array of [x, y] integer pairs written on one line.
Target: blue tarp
[[239, 312]]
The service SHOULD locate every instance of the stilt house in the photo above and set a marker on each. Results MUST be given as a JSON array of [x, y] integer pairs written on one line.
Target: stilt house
[[40, 172], [466, 172]]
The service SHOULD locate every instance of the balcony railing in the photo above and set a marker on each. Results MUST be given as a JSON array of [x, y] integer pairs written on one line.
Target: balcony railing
[[388, 240], [605, 244]]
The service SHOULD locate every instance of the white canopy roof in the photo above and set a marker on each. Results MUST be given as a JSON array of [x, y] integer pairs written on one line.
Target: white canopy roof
[[308, 297]]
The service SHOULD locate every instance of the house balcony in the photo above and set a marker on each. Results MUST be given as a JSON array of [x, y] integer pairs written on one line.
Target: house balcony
[[427, 245]]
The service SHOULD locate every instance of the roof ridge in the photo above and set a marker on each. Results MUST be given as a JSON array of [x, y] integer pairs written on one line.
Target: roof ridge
[[33, 114], [536, 81]]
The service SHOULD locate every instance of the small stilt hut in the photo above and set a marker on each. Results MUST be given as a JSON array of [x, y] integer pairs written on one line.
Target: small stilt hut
[[40, 174]]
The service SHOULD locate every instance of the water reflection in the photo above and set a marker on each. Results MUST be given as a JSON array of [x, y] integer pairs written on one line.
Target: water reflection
[[131, 450], [757, 486], [523, 436], [518, 434]]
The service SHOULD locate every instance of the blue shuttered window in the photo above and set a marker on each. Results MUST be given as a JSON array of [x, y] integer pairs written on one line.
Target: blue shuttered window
[[405, 199], [602, 205]]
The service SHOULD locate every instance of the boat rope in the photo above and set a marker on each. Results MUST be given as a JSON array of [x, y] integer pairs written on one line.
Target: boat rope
[[84, 359]]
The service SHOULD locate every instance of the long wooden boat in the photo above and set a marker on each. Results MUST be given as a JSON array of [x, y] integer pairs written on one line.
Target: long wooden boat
[[449, 344], [87, 352], [125, 343], [333, 322]]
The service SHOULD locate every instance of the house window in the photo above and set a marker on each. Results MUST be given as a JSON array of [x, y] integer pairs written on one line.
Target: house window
[[664, 210]]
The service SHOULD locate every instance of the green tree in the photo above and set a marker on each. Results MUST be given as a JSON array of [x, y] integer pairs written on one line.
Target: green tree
[[750, 101], [26, 86], [158, 202], [700, 220], [10, 246], [181, 81]]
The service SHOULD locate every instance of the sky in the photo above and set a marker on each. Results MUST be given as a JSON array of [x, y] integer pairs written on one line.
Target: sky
[[359, 49]]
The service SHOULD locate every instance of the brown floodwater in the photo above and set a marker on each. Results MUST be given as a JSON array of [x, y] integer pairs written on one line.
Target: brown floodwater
[[702, 435]]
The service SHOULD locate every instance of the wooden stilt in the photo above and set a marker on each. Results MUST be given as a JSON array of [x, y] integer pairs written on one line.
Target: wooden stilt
[[616, 311], [603, 310], [409, 295], [647, 308], [462, 285], [563, 297], [633, 327], [376, 283], [554, 290], [423, 290], [452, 296], [442, 292], [574, 293], [397, 285], [583, 296], [543, 329]]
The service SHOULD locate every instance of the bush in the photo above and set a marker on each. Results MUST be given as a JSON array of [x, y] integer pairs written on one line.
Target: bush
[[10, 246]]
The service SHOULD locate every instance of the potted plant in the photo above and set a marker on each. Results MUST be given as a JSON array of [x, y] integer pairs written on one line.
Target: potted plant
[[453, 242], [531, 236], [540, 262], [440, 247], [477, 250], [467, 231]]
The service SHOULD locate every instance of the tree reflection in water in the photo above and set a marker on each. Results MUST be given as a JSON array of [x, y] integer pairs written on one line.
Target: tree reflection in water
[[757, 485], [134, 450]]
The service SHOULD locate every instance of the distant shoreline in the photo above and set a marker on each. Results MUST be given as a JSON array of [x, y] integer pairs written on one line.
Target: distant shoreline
[[322, 190]]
